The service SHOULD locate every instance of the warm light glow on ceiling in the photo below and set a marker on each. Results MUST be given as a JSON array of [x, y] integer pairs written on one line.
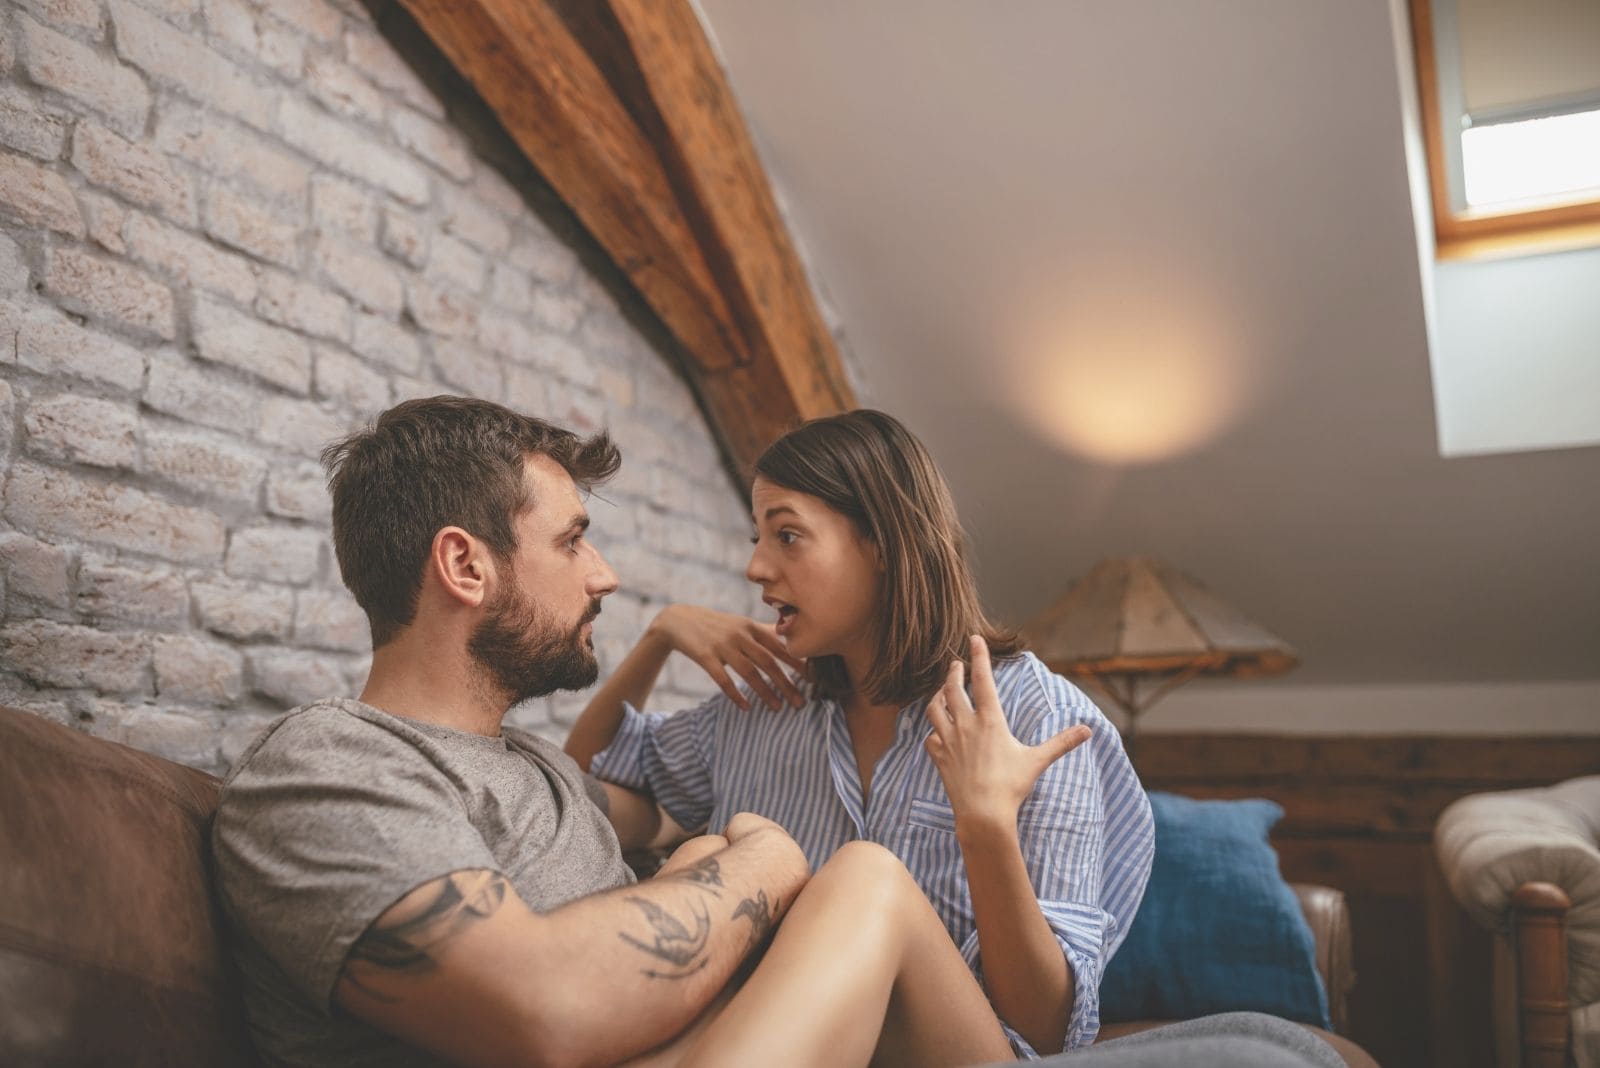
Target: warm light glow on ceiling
[[1130, 373]]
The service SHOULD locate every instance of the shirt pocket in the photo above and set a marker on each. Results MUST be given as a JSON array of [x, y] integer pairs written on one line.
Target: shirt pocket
[[931, 815]]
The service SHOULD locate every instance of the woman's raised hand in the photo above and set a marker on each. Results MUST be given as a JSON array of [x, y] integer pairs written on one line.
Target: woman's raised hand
[[986, 771], [721, 642]]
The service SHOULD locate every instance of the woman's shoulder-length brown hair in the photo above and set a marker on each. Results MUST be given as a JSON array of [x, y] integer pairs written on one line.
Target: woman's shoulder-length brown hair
[[866, 465]]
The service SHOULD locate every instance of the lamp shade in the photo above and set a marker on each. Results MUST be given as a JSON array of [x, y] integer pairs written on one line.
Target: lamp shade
[[1137, 615]]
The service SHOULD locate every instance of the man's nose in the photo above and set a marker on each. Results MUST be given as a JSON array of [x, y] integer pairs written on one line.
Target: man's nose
[[602, 581]]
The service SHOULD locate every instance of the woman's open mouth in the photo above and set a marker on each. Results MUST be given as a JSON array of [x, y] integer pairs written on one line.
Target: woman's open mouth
[[786, 614]]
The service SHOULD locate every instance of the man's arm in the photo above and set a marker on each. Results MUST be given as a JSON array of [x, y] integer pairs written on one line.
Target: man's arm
[[462, 967]]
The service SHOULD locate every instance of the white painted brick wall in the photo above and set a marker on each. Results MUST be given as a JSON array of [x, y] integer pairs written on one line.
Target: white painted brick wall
[[230, 231]]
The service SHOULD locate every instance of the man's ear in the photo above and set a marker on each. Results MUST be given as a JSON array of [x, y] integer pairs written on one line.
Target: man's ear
[[462, 564]]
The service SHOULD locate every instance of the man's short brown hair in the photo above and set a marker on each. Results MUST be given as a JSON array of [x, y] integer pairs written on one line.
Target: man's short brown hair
[[431, 463]]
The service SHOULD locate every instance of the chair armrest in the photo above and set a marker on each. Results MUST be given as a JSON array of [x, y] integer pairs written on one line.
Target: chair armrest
[[1329, 917]]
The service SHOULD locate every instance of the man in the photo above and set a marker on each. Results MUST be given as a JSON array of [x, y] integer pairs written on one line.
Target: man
[[410, 883]]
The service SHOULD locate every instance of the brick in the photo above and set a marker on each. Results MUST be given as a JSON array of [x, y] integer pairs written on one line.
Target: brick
[[385, 342], [192, 393], [238, 732], [340, 205], [182, 737], [545, 257], [204, 462], [575, 407], [77, 70], [404, 237], [56, 502], [442, 311], [198, 670], [530, 714], [346, 380], [431, 142], [51, 344], [223, 335], [525, 390], [238, 221], [350, 151], [510, 288], [561, 357], [292, 677], [56, 654], [505, 335], [554, 310], [331, 619], [226, 150], [146, 595], [366, 279], [35, 570], [28, 126], [38, 197], [103, 289], [471, 220], [81, 15], [617, 387], [292, 302], [13, 268], [276, 553], [243, 610], [454, 263], [136, 171], [104, 219], [468, 368], [298, 493], [374, 57], [302, 426], [178, 58], [82, 430], [342, 90], [311, 17], [409, 388], [255, 36], [7, 418], [189, 260], [498, 194]]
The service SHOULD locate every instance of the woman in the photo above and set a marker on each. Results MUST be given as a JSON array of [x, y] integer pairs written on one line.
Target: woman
[[1015, 810]]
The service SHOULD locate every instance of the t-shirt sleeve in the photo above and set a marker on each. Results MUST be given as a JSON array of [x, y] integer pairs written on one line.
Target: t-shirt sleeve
[[330, 821], [1086, 852], [670, 757]]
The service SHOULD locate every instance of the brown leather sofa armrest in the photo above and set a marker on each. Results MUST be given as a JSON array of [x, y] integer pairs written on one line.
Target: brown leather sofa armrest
[[1329, 918]]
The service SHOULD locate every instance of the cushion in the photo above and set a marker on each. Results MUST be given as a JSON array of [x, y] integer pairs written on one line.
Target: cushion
[[1218, 930]]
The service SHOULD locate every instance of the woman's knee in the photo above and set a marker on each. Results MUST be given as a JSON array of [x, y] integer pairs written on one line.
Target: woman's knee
[[868, 868]]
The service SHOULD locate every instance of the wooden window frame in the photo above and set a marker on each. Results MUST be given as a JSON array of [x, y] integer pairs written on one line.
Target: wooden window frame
[[1477, 233]]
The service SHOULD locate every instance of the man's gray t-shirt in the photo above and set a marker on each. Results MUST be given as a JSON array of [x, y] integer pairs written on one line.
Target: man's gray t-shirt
[[338, 810]]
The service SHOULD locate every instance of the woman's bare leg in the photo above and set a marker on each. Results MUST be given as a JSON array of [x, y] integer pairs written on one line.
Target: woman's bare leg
[[861, 966]]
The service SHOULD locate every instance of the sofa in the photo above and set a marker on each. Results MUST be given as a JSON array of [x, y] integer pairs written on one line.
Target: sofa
[[112, 946], [1525, 865]]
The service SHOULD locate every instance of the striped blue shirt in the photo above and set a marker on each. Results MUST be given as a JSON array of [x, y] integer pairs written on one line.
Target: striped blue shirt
[[1086, 830]]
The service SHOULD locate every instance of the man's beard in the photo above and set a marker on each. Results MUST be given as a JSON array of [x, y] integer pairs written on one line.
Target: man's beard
[[526, 655]]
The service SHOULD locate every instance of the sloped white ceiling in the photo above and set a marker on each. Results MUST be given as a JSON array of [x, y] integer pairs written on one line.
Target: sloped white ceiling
[[1143, 275]]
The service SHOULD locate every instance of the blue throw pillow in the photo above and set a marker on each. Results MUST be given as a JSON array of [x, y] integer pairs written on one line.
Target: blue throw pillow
[[1218, 930]]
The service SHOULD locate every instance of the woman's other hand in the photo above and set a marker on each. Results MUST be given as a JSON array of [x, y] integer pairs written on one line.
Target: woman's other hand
[[721, 642], [986, 771]]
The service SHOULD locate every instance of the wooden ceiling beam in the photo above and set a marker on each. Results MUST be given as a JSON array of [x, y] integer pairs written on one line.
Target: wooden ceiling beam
[[561, 111], [622, 105]]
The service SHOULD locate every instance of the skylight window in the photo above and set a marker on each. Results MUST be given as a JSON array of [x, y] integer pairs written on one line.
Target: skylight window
[[1549, 159]]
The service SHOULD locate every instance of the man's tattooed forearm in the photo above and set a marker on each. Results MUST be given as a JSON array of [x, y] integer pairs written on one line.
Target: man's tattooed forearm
[[405, 943], [758, 910], [682, 952], [706, 874]]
